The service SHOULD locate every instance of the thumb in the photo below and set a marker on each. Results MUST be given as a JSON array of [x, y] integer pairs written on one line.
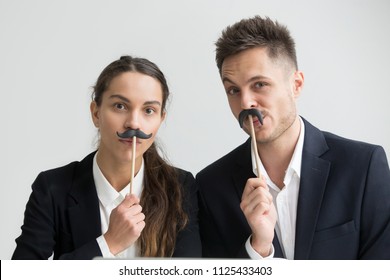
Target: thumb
[[130, 199]]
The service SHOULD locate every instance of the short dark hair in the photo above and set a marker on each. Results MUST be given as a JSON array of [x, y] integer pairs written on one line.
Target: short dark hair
[[256, 32]]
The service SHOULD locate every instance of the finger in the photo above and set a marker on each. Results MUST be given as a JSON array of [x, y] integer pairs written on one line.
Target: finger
[[138, 218], [137, 228], [252, 184], [130, 199], [135, 209], [264, 180], [248, 207], [258, 210], [259, 195], [141, 225]]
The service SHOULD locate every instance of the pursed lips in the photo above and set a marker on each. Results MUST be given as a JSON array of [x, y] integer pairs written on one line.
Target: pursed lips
[[256, 122], [129, 141]]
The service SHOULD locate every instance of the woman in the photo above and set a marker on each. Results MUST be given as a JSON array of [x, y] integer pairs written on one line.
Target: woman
[[84, 209]]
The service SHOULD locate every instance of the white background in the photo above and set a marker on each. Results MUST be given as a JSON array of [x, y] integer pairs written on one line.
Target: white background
[[51, 53]]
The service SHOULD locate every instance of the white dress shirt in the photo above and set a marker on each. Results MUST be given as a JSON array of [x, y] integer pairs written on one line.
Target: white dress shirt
[[285, 200], [109, 199]]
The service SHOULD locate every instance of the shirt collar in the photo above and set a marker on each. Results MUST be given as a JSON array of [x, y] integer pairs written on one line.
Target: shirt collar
[[295, 163], [106, 192], [296, 160]]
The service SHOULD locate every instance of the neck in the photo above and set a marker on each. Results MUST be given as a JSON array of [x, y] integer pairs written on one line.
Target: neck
[[276, 155], [117, 173]]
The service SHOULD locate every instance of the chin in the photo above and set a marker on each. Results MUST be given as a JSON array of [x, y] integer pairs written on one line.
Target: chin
[[124, 157]]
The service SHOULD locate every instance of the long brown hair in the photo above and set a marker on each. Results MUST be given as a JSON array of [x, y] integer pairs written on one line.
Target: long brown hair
[[162, 195]]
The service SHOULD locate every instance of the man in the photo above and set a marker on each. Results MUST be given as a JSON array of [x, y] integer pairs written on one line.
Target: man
[[319, 196]]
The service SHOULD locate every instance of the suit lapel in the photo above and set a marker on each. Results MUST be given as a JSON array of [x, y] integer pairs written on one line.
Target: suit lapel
[[84, 215], [244, 169], [278, 253], [314, 174], [241, 174]]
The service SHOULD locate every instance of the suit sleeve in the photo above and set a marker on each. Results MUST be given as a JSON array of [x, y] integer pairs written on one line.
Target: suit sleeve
[[188, 240], [212, 244], [42, 234], [211, 241], [375, 234]]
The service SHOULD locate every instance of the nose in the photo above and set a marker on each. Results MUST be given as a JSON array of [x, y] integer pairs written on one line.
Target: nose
[[132, 121], [247, 100]]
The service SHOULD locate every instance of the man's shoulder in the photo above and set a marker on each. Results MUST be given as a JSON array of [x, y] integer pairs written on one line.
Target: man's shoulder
[[183, 175], [343, 145], [339, 149]]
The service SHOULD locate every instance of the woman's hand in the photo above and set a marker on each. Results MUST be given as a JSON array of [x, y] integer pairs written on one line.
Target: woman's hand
[[126, 224]]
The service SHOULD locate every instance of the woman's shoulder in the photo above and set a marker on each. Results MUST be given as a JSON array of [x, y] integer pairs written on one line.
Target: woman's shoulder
[[64, 175], [85, 163]]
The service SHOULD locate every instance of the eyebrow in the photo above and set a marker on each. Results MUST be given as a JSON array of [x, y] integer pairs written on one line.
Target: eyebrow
[[154, 102], [121, 97], [226, 80], [254, 78]]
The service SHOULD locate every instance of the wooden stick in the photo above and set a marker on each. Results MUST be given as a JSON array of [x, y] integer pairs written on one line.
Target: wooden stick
[[254, 145], [133, 164]]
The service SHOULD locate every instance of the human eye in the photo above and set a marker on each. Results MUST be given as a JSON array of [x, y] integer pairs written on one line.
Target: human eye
[[150, 111], [119, 106], [259, 85], [232, 91]]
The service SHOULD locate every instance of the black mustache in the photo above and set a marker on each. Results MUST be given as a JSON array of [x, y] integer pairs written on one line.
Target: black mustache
[[245, 113], [130, 133]]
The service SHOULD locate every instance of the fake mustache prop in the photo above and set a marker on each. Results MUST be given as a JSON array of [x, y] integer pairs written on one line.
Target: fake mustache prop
[[241, 118], [245, 113], [134, 132]]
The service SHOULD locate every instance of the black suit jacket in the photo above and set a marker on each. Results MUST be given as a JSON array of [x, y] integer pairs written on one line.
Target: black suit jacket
[[343, 206], [62, 216]]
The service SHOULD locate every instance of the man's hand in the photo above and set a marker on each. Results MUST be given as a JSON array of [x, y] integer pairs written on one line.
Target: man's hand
[[260, 213]]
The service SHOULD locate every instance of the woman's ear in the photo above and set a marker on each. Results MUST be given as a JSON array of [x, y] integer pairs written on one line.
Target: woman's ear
[[94, 108], [163, 115]]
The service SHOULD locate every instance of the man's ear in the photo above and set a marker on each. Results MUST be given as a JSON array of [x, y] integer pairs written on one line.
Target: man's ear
[[299, 80], [94, 108]]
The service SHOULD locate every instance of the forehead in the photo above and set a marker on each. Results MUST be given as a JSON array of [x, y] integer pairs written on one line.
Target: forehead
[[250, 63], [245, 60], [136, 84]]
